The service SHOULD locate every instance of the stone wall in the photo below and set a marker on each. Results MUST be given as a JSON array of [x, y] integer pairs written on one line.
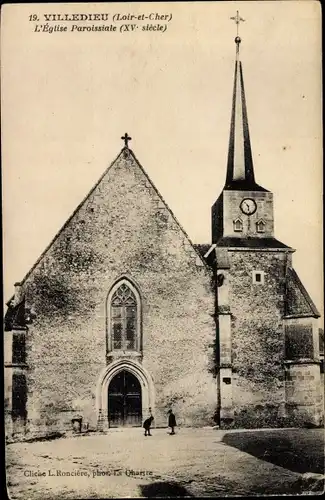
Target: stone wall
[[304, 391], [257, 337], [304, 402], [123, 228]]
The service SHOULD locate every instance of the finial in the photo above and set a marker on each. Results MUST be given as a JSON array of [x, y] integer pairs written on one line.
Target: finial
[[126, 138], [237, 20]]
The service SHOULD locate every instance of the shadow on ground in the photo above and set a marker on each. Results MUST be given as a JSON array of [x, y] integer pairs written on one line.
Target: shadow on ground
[[163, 489], [299, 450]]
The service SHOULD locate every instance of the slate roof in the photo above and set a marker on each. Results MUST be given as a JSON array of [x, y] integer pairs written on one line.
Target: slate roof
[[229, 241], [244, 186], [297, 300], [239, 150], [202, 248]]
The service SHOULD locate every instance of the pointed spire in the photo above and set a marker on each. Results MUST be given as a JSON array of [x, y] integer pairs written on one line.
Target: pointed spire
[[240, 169]]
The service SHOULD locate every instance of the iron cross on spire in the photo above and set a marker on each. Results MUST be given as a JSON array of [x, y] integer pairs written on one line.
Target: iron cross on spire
[[237, 20], [126, 138]]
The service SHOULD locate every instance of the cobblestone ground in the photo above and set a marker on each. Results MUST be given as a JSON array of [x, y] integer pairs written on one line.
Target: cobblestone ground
[[124, 463]]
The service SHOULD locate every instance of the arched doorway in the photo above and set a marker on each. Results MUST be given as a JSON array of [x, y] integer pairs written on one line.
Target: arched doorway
[[124, 400]]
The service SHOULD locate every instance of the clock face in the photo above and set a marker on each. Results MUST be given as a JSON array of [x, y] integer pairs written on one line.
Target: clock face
[[248, 206]]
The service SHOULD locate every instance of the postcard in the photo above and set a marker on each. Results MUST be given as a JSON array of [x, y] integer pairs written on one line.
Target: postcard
[[162, 237]]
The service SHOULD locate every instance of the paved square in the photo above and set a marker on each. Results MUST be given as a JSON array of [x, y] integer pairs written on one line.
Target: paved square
[[124, 463]]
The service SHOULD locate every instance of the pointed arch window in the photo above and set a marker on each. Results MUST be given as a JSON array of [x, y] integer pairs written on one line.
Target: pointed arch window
[[238, 225], [124, 322]]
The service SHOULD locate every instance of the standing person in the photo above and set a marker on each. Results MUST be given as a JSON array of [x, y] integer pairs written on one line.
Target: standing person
[[146, 425], [171, 421]]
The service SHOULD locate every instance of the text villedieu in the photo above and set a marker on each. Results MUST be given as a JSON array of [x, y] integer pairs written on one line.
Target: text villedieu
[[85, 23]]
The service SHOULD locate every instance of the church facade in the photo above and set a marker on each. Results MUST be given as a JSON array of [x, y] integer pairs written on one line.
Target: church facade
[[123, 316]]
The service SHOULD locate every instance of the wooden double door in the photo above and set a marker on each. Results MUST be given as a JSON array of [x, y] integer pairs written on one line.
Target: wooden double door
[[124, 401]]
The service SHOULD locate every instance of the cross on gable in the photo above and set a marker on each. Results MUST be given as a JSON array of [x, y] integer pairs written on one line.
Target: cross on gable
[[126, 138]]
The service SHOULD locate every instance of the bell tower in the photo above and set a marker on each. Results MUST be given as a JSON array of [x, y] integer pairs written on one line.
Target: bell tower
[[244, 209], [265, 317]]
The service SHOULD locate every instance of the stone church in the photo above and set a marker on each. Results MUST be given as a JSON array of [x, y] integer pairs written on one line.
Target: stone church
[[122, 316]]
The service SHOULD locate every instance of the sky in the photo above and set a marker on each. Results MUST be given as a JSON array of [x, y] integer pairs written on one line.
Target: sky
[[68, 97]]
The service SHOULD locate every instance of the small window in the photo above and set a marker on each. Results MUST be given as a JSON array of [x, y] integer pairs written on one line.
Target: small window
[[260, 226], [238, 225], [19, 395], [258, 277], [226, 380], [19, 347]]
